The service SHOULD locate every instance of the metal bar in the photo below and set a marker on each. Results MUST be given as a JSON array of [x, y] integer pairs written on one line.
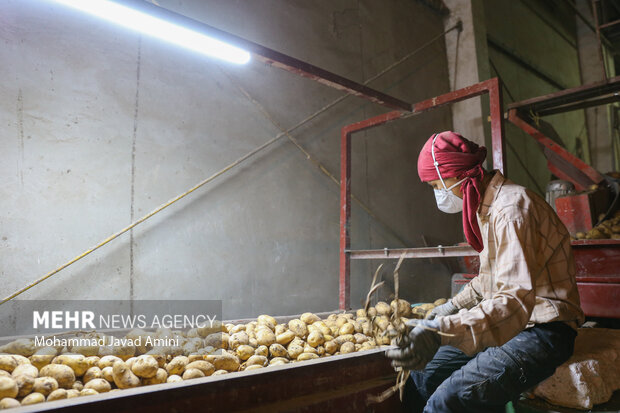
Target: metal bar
[[275, 58], [613, 23], [344, 299], [601, 57], [580, 105], [567, 164], [568, 96], [429, 252], [498, 144]]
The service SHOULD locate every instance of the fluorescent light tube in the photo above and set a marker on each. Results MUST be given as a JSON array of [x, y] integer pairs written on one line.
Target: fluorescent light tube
[[161, 29]]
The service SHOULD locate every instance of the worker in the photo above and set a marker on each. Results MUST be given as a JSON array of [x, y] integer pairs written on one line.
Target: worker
[[516, 321]]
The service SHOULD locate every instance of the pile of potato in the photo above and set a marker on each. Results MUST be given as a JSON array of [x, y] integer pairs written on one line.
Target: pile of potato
[[608, 229], [30, 375]]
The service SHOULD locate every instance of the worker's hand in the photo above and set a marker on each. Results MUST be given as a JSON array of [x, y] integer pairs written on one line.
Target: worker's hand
[[443, 310], [418, 347]]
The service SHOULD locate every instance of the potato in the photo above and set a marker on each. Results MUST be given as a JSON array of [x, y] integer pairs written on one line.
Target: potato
[[331, 347], [346, 328], [259, 360], [25, 369], [307, 356], [177, 365], [382, 322], [347, 347], [225, 361], [58, 394], [8, 387], [277, 361], [238, 339], [267, 320], [8, 403], [92, 373], [23, 347], [78, 385], [202, 365], [298, 327], [277, 350], [309, 349], [33, 398], [145, 367], [88, 392], [76, 362], [85, 350], [189, 374], [5, 374], [215, 340], [107, 361], [383, 308], [265, 337], [253, 342], [294, 350], [360, 313], [7, 363], [237, 328], [44, 385], [107, 374], [344, 338], [160, 358], [309, 318], [315, 339], [262, 351], [174, 379], [25, 383], [341, 320], [254, 367], [63, 374], [245, 351], [285, 337], [100, 385], [360, 338], [404, 307], [123, 376], [160, 377]]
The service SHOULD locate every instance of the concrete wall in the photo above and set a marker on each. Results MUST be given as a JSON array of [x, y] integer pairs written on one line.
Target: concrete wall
[[101, 125]]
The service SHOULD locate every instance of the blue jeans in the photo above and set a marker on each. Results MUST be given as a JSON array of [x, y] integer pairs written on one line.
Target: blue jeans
[[456, 383]]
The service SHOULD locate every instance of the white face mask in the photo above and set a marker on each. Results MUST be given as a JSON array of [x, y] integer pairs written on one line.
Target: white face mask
[[446, 200]]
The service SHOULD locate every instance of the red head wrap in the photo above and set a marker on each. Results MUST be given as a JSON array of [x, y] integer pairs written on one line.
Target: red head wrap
[[458, 158]]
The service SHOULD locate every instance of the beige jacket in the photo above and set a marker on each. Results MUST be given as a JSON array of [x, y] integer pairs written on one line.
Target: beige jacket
[[527, 272]]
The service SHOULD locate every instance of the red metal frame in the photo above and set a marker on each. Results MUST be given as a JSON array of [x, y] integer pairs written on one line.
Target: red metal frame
[[491, 86], [561, 163]]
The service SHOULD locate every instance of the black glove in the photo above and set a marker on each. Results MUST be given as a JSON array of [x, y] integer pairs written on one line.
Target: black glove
[[418, 347], [443, 310]]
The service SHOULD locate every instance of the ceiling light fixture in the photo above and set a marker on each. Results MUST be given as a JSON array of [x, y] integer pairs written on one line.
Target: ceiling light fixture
[[153, 26]]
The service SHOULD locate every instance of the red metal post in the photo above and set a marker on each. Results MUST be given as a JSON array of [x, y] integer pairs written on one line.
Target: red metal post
[[497, 124], [345, 215]]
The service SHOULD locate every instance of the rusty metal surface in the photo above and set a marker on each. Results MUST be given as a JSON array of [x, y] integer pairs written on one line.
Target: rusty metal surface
[[337, 383], [429, 252], [568, 96], [562, 163], [275, 58]]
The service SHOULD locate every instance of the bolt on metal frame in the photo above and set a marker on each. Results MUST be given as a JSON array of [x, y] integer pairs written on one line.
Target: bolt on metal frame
[[493, 88]]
